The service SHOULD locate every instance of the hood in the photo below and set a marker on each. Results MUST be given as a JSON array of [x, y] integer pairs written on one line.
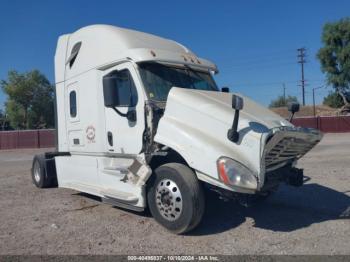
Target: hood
[[219, 105], [195, 124]]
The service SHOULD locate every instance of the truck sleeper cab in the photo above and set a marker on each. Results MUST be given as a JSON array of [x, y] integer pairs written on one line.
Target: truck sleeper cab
[[141, 122]]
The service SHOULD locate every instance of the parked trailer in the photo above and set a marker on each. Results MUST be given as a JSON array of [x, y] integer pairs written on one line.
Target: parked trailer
[[141, 122]]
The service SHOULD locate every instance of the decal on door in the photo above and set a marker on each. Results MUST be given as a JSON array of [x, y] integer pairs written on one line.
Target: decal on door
[[90, 134]]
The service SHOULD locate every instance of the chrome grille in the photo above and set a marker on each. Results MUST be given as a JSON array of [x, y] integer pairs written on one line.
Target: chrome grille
[[284, 148]]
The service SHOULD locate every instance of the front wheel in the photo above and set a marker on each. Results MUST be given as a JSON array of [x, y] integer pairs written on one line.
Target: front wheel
[[175, 198]]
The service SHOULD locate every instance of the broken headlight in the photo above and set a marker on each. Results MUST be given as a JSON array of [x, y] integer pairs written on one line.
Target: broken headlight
[[234, 173]]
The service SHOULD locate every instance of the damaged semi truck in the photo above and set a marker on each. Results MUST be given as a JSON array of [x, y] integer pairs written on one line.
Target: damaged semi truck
[[141, 123]]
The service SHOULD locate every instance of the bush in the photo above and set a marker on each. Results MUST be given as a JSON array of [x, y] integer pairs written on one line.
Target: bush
[[333, 100], [280, 101]]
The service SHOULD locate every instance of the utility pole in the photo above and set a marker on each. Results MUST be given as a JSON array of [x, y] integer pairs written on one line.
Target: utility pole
[[284, 94], [301, 60]]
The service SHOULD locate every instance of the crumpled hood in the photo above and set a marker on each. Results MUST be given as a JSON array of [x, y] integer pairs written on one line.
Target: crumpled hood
[[195, 124], [219, 105]]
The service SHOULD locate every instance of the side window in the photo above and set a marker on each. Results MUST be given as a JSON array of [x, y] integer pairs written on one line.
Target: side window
[[73, 104], [126, 88], [73, 54]]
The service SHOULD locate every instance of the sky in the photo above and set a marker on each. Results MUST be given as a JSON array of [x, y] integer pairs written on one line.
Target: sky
[[252, 42]]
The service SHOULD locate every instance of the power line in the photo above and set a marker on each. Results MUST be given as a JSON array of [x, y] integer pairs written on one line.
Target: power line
[[274, 83], [265, 83], [260, 67], [263, 92], [258, 59], [244, 57], [267, 61]]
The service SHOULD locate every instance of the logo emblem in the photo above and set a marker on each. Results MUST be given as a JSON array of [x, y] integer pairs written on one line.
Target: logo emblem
[[90, 134]]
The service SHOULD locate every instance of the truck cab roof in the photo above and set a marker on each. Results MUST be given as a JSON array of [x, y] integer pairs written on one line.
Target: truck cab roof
[[103, 46]]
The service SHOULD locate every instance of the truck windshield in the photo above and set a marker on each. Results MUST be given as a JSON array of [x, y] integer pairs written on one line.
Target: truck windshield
[[158, 79]]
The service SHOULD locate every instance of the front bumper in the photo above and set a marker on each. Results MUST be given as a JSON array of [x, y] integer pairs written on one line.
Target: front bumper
[[290, 175], [284, 146], [288, 144]]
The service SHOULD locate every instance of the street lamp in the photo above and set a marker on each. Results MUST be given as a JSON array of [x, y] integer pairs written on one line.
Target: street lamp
[[313, 98]]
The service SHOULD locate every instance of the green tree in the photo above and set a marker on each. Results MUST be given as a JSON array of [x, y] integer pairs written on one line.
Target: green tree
[[334, 100], [30, 100], [335, 57], [280, 101]]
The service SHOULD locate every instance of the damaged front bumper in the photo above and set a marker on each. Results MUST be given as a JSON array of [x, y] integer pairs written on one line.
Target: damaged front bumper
[[283, 147], [290, 175]]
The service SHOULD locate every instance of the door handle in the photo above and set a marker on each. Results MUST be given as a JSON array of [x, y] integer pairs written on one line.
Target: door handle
[[110, 138]]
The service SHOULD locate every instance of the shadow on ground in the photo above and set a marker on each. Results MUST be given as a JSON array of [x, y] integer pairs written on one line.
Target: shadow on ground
[[287, 210], [144, 213]]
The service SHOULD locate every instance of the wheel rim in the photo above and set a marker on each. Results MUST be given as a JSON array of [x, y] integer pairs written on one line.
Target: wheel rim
[[36, 171], [169, 199]]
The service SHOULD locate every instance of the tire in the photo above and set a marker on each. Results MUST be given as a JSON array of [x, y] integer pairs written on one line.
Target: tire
[[175, 198], [39, 174]]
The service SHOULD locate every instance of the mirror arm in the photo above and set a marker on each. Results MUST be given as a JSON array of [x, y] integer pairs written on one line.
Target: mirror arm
[[130, 115], [232, 133], [119, 113], [237, 104], [291, 117]]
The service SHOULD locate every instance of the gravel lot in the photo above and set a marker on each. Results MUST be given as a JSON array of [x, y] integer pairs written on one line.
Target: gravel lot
[[313, 219]]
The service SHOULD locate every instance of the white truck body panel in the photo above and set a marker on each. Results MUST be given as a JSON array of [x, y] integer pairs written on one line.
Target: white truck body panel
[[103, 47], [194, 124], [100, 176], [129, 140]]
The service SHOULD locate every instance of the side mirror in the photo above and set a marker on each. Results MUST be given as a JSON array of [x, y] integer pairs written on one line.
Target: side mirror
[[237, 102], [113, 97], [225, 89], [110, 91], [293, 107]]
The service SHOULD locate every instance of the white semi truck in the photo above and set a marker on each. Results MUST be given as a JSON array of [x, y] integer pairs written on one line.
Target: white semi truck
[[141, 123]]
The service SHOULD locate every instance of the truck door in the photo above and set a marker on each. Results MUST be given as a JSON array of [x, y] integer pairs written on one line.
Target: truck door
[[74, 126], [123, 135]]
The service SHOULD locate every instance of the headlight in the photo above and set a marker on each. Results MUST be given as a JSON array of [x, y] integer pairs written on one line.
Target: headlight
[[234, 173]]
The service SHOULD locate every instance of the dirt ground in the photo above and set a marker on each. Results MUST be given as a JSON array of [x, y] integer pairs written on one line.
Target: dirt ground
[[313, 219]]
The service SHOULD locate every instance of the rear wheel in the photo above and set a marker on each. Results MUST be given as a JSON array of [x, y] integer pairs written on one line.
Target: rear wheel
[[175, 198], [39, 174]]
